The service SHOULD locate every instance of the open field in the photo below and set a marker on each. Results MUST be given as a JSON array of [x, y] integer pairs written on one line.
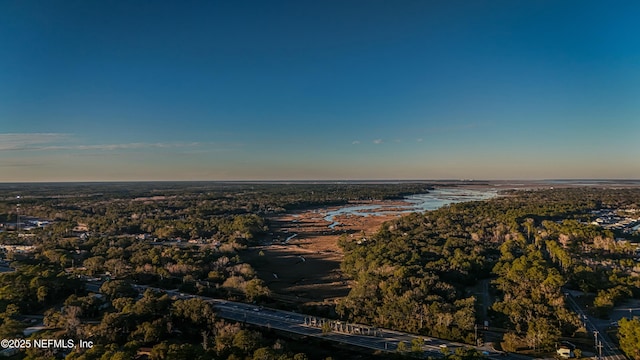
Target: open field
[[307, 266]]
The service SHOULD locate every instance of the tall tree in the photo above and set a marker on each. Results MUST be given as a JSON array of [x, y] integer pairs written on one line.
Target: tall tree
[[629, 335]]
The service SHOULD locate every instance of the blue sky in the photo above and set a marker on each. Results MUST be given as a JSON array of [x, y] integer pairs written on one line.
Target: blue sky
[[266, 90]]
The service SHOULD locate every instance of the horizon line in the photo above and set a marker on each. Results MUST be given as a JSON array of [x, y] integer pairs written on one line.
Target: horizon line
[[318, 180]]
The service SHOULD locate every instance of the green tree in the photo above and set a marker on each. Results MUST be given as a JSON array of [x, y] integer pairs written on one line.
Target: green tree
[[510, 342], [264, 353], [94, 264], [150, 332], [246, 340], [326, 327], [542, 334], [183, 352], [195, 314], [159, 351], [10, 328], [416, 344], [577, 353], [255, 288], [629, 335], [118, 288], [465, 354], [42, 293], [402, 346]]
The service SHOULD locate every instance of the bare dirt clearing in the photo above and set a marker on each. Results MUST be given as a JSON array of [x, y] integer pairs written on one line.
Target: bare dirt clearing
[[301, 260]]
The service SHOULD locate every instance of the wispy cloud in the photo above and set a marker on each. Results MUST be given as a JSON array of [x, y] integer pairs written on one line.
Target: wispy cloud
[[21, 164], [28, 141], [355, 142], [60, 142], [420, 140], [127, 146], [377, 141]]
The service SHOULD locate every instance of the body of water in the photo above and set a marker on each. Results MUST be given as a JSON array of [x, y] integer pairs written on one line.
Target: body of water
[[415, 203]]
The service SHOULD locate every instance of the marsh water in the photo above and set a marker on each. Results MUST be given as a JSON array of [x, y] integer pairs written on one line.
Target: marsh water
[[432, 200]]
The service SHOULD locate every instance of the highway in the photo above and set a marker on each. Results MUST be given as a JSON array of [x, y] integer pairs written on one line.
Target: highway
[[295, 323], [307, 325], [608, 349], [383, 340], [5, 267]]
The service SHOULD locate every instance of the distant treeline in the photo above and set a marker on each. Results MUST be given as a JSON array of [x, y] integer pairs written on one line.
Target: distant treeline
[[182, 210]]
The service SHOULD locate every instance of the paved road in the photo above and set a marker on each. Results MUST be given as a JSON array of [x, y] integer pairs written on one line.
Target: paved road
[[609, 350], [295, 323], [4, 267], [384, 340]]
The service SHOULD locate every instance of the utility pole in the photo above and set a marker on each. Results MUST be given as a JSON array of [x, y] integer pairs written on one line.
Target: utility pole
[[595, 334], [475, 328]]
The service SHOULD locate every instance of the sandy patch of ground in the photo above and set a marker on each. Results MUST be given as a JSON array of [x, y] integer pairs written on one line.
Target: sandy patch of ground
[[306, 267]]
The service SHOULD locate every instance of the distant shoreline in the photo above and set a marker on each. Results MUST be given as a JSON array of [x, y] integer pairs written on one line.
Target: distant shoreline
[[445, 182]]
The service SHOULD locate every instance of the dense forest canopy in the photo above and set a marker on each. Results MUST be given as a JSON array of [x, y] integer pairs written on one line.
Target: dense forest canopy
[[422, 273], [117, 232], [418, 272]]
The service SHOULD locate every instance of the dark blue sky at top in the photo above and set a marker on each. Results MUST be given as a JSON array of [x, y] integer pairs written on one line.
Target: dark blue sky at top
[[359, 89]]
